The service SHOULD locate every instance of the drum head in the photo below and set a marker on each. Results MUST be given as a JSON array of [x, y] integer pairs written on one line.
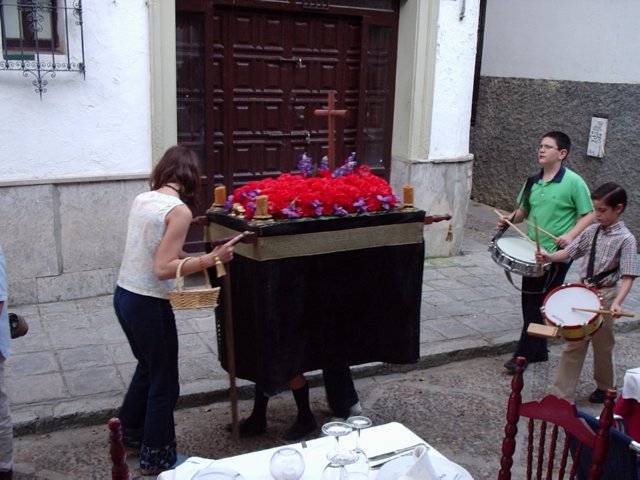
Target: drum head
[[560, 302], [517, 248]]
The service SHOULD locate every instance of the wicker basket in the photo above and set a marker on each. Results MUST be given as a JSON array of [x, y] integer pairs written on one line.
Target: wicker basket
[[190, 298]]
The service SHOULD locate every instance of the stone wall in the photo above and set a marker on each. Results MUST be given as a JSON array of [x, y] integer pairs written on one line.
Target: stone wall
[[513, 113], [64, 240], [440, 187]]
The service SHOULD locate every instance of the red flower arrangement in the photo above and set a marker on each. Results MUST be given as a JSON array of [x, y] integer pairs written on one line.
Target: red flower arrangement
[[349, 190]]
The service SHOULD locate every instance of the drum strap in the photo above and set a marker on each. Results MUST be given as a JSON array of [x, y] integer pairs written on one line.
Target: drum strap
[[525, 196], [592, 280], [550, 277]]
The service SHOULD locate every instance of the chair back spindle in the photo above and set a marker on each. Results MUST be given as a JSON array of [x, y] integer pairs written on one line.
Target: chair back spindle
[[555, 434], [118, 452]]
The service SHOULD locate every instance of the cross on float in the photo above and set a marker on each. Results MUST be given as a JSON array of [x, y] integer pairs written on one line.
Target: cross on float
[[331, 113]]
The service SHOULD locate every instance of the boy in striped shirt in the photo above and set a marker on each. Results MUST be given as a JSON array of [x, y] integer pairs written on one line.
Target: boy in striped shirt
[[611, 251]]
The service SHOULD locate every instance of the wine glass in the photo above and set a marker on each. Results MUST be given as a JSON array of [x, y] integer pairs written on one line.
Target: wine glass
[[340, 456], [286, 464], [360, 468], [334, 471]]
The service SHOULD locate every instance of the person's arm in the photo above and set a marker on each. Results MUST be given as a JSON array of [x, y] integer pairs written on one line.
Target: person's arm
[[170, 250], [625, 287], [557, 256], [582, 223]]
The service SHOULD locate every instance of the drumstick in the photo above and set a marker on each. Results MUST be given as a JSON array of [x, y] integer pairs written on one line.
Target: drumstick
[[602, 312], [550, 235], [514, 227], [535, 224]]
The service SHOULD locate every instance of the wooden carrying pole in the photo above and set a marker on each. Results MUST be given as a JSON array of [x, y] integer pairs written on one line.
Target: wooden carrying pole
[[231, 354]]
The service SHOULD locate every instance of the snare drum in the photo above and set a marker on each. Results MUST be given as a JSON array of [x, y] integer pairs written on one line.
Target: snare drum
[[516, 255], [573, 325]]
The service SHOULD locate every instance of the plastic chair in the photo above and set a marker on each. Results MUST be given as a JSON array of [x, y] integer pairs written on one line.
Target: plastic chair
[[622, 460], [553, 424], [118, 452]]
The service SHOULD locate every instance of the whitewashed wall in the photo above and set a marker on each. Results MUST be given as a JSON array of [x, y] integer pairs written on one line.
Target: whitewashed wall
[[453, 86], [73, 161], [84, 128], [581, 40], [434, 87]]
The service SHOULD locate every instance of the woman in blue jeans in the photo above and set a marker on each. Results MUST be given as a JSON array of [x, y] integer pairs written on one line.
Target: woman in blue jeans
[[157, 228]]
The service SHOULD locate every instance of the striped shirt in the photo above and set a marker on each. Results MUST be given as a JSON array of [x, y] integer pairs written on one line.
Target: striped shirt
[[616, 248]]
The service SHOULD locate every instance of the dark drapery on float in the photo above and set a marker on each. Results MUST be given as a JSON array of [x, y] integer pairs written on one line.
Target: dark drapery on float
[[319, 293]]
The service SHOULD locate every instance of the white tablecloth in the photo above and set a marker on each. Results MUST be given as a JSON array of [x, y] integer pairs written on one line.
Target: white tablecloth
[[631, 385], [255, 465]]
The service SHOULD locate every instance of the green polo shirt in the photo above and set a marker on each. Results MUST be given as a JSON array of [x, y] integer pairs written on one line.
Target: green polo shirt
[[557, 205]]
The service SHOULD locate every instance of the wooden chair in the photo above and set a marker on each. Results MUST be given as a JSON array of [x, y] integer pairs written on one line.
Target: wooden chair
[[553, 424], [118, 452]]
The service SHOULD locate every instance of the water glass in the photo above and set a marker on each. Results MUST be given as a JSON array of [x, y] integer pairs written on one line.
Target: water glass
[[286, 464]]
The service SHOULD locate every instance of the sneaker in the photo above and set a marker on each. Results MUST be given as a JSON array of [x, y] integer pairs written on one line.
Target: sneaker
[[598, 396], [300, 428], [355, 409], [19, 326]]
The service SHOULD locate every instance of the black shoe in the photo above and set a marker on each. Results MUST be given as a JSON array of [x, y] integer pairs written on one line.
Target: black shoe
[[250, 426], [598, 396], [132, 440], [300, 428], [18, 325], [511, 366]]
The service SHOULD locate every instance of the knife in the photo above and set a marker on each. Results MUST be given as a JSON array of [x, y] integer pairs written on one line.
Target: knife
[[383, 457]]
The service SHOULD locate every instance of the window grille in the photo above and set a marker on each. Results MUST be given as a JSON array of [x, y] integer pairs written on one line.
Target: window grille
[[42, 38]]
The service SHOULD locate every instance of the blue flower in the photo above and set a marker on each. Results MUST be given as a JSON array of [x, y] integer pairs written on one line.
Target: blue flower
[[290, 211], [338, 210], [317, 206], [361, 205], [385, 201], [305, 165], [348, 167]]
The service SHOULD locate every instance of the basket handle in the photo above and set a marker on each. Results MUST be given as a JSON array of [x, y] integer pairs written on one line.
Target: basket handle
[[180, 278]]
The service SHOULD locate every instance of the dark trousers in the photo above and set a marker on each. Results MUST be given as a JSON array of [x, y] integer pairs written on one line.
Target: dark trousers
[[534, 291], [148, 405], [341, 392]]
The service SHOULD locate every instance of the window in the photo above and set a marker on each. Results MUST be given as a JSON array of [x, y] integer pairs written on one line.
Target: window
[[28, 25], [41, 38]]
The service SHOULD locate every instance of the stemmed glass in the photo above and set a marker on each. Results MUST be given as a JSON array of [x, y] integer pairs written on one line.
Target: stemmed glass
[[360, 468], [338, 457], [286, 464]]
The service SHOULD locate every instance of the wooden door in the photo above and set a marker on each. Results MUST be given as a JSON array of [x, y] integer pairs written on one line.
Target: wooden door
[[251, 74]]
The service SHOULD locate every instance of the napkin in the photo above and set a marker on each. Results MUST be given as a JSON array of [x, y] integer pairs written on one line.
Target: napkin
[[631, 385], [422, 469]]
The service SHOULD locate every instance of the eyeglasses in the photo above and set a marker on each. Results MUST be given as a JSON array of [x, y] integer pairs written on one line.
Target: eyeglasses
[[547, 147]]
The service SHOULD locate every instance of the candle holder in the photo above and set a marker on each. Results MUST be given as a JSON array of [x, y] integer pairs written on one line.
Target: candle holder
[[219, 196], [262, 208], [407, 196]]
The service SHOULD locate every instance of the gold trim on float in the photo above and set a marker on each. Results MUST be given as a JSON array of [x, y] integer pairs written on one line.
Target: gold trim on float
[[318, 243]]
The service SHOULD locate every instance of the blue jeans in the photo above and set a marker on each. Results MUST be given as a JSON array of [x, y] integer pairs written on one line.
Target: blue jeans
[[148, 405]]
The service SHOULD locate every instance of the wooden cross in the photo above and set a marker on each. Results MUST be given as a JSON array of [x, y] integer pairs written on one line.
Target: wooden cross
[[331, 113]]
